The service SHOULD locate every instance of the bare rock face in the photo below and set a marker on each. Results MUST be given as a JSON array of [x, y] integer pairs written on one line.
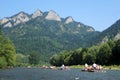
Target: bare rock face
[[90, 29], [37, 13], [69, 20], [104, 40], [117, 36], [79, 25], [53, 16], [20, 18], [9, 24], [4, 20]]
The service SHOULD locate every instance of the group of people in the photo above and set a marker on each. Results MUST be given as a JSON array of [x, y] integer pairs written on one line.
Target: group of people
[[93, 67], [63, 67]]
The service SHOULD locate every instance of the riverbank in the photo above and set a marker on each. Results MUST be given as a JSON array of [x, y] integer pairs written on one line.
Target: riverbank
[[111, 67]]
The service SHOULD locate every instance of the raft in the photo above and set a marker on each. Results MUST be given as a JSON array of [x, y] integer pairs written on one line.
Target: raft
[[88, 70], [93, 70]]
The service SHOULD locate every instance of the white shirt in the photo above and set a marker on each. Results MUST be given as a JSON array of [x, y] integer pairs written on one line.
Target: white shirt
[[86, 65], [94, 65]]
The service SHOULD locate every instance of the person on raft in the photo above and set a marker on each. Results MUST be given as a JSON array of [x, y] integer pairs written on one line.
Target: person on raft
[[86, 66]]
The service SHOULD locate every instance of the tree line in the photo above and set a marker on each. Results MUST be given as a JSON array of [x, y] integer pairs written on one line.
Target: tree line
[[7, 52], [104, 54]]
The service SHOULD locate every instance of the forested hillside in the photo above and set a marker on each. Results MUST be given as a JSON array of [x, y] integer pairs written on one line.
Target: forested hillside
[[46, 33], [106, 50], [111, 33]]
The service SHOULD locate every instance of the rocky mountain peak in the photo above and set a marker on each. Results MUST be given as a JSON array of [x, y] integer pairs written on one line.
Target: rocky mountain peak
[[16, 19], [37, 13], [69, 20], [21, 17], [90, 29], [53, 16], [4, 20]]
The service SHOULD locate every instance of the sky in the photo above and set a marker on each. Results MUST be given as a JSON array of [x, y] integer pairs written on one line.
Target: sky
[[100, 14]]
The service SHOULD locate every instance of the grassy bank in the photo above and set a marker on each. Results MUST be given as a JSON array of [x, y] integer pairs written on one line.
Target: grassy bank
[[77, 66], [112, 67]]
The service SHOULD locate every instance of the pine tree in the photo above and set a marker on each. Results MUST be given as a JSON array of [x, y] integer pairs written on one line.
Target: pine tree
[[9, 52]]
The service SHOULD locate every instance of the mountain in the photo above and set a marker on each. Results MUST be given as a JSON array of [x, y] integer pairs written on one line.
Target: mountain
[[69, 20], [53, 16], [46, 33], [111, 33], [37, 13], [15, 20]]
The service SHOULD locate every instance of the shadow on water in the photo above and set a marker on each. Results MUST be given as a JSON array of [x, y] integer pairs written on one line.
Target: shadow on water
[[49, 74]]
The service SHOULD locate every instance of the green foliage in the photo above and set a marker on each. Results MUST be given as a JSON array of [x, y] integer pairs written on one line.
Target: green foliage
[[34, 58], [110, 33], [116, 53], [111, 43], [0, 34], [3, 62], [0, 41], [104, 54], [21, 59], [88, 59], [7, 52]]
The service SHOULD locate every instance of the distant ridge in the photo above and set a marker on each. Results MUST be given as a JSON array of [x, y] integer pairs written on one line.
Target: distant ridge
[[111, 33]]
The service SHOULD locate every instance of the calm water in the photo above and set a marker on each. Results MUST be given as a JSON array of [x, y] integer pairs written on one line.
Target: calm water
[[48, 74]]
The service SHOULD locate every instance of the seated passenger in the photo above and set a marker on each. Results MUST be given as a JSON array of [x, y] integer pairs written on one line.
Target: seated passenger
[[90, 68], [86, 66], [63, 67], [94, 66]]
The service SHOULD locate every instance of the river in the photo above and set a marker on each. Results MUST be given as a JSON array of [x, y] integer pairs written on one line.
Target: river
[[49, 74]]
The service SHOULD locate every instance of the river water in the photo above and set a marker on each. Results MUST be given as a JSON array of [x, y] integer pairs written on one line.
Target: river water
[[49, 74]]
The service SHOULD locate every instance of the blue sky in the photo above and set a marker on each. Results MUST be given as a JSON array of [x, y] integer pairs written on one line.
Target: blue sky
[[100, 14]]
